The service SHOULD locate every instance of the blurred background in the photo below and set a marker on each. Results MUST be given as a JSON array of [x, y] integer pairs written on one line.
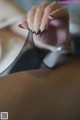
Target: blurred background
[[12, 38]]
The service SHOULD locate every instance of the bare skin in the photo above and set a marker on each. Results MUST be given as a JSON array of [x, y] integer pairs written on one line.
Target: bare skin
[[11, 10]]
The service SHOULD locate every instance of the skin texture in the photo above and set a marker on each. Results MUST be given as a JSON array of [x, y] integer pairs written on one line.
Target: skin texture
[[49, 23]]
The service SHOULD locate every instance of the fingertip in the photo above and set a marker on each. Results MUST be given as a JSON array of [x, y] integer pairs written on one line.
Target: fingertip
[[20, 26], [60, 12], [51, 18], [23, 25]]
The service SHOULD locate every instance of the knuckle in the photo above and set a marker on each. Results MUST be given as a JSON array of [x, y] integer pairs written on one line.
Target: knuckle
[[34, 7], [38, 9], [31, 10]]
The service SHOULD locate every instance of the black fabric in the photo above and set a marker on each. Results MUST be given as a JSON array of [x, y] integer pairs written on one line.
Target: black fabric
[[32, 59], [29, 60]]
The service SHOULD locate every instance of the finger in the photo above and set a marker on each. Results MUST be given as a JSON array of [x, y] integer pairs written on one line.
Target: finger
[[38, 16], [61, 12], [45, 19], [30, 17], [23, 25]]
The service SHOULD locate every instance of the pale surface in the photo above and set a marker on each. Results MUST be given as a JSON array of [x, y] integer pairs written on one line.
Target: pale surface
[[42, 94]]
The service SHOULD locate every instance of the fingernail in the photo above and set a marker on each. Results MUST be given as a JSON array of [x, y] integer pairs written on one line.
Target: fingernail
[[37, 32], [20, 26], [43, 27], [36, 29], [31, 27], [23, 25], [50, 17]]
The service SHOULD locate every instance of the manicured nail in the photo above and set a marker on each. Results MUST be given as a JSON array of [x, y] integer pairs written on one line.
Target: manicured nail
[[31, 27], [43, 27], [37, 32], [20, 25], [51, 18], [23, 25], [36, 29]]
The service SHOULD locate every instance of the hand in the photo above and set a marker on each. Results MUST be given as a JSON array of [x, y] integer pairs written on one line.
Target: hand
[[49, 24]]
